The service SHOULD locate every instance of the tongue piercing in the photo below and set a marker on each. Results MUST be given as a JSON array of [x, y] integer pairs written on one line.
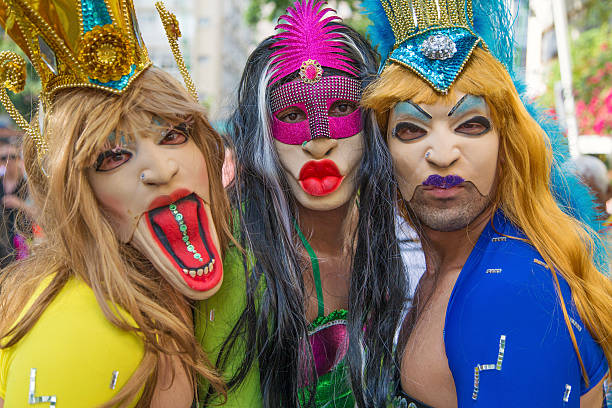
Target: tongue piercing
[[183, 228]]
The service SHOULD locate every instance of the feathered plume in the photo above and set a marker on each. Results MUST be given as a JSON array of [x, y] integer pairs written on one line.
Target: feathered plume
[[379, 32], [308, 35], [493, 23]]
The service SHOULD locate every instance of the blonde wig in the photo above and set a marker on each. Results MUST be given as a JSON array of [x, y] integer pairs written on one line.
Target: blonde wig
[[523, 190], [80, 243]]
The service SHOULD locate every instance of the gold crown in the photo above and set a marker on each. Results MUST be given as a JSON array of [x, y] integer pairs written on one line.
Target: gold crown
[[81, 43], [76, 43], [412, 17]]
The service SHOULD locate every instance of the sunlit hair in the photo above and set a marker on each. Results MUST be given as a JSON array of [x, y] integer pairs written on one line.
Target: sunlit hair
[[523, 190], [80, 243]]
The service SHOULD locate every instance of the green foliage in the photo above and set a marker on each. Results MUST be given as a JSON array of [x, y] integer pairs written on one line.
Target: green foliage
[[27, 100], [254, 12], [591, 79]]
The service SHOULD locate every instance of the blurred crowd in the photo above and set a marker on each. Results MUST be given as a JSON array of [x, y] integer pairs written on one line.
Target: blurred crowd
[[17, 213]]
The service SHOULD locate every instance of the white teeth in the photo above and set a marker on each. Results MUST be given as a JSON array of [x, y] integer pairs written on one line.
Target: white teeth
[[185, 271], [192, 273], [207, 269], [212, 262], [200, 272]]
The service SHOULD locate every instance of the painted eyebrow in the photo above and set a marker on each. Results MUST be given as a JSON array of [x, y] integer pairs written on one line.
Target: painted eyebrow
[[414, 109], [466, 103]]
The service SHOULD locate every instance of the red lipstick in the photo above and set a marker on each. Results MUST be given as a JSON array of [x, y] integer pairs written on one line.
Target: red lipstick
[[320, 177], [165, 200]]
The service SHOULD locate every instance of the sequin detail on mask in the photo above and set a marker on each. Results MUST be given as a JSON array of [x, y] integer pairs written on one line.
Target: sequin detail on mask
[[488, 367], [315, 100], [445, 182], [439, 73]]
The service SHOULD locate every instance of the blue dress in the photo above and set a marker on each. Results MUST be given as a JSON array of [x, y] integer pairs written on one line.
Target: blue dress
[[505, 336]]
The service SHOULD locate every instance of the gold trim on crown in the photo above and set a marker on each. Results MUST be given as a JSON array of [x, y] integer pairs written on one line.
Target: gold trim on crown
[[412, 17]]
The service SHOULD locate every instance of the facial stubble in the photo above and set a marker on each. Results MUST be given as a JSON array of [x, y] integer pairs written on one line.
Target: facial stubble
[[448, 214]]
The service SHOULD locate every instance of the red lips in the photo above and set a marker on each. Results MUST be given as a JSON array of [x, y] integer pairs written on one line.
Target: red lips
[[320, 178]]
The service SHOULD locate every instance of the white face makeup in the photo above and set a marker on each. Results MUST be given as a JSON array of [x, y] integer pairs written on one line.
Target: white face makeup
[[445, 158], [321, 172], [155, 193]]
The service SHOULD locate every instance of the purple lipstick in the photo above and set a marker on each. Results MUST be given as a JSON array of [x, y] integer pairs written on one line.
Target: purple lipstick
[[447, 182]]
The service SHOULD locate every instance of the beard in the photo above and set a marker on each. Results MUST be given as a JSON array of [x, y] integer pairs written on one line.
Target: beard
[[448, 214]]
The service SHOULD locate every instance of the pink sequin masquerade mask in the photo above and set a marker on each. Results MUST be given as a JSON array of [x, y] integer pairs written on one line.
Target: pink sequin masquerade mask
[[316, 100], [308, 44]]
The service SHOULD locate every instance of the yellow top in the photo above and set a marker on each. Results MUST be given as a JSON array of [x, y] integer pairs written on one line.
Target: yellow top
[[73, 355]]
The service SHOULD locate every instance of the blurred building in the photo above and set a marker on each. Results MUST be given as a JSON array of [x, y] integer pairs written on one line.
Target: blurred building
[[215, 43]]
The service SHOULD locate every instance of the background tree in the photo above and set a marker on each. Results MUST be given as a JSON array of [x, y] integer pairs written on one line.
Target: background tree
[[591, 76]]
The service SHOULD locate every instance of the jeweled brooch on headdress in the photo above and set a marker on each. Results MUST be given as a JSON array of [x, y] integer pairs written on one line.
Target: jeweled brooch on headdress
[[311, 71]]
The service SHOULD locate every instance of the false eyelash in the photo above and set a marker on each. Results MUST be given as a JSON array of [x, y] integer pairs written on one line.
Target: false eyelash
[[108, 153]]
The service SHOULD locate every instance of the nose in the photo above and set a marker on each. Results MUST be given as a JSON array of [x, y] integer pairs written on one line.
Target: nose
[[443, 152], [159, 166], [320, 147]]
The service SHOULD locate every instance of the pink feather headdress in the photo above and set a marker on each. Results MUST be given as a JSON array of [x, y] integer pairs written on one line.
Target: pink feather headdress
[[308, 43]]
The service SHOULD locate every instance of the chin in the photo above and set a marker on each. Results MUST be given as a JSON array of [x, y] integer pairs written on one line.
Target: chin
[[324, 203], [181, 243]]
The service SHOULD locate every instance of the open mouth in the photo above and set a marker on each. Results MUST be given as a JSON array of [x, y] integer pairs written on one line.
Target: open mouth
[[320, 178], [182, 231]]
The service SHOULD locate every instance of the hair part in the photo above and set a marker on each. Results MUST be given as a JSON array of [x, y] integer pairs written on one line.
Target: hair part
[[79, 242], [524, 191]]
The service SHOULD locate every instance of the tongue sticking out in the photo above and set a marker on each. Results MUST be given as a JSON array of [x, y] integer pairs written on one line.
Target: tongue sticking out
[[182, 232]]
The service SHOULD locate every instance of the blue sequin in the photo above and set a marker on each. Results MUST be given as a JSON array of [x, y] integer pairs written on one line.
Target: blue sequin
[[118, 85], [440, 73], [95, 14]]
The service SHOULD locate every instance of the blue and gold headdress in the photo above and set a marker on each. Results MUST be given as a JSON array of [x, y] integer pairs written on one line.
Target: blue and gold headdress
[[77, 43], [434, 38]]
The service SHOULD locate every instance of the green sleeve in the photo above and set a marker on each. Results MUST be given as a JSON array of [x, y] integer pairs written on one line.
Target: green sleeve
[[215, 318]]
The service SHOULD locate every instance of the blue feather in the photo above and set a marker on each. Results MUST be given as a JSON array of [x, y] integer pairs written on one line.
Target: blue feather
[[492, 20], [379, 32]]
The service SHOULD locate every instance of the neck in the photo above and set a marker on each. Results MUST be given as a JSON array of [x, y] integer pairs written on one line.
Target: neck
[[329, 231], [448, 251]]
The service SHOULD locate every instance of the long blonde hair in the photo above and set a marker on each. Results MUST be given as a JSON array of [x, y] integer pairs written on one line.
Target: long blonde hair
[[523, 190], [80, 243]]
